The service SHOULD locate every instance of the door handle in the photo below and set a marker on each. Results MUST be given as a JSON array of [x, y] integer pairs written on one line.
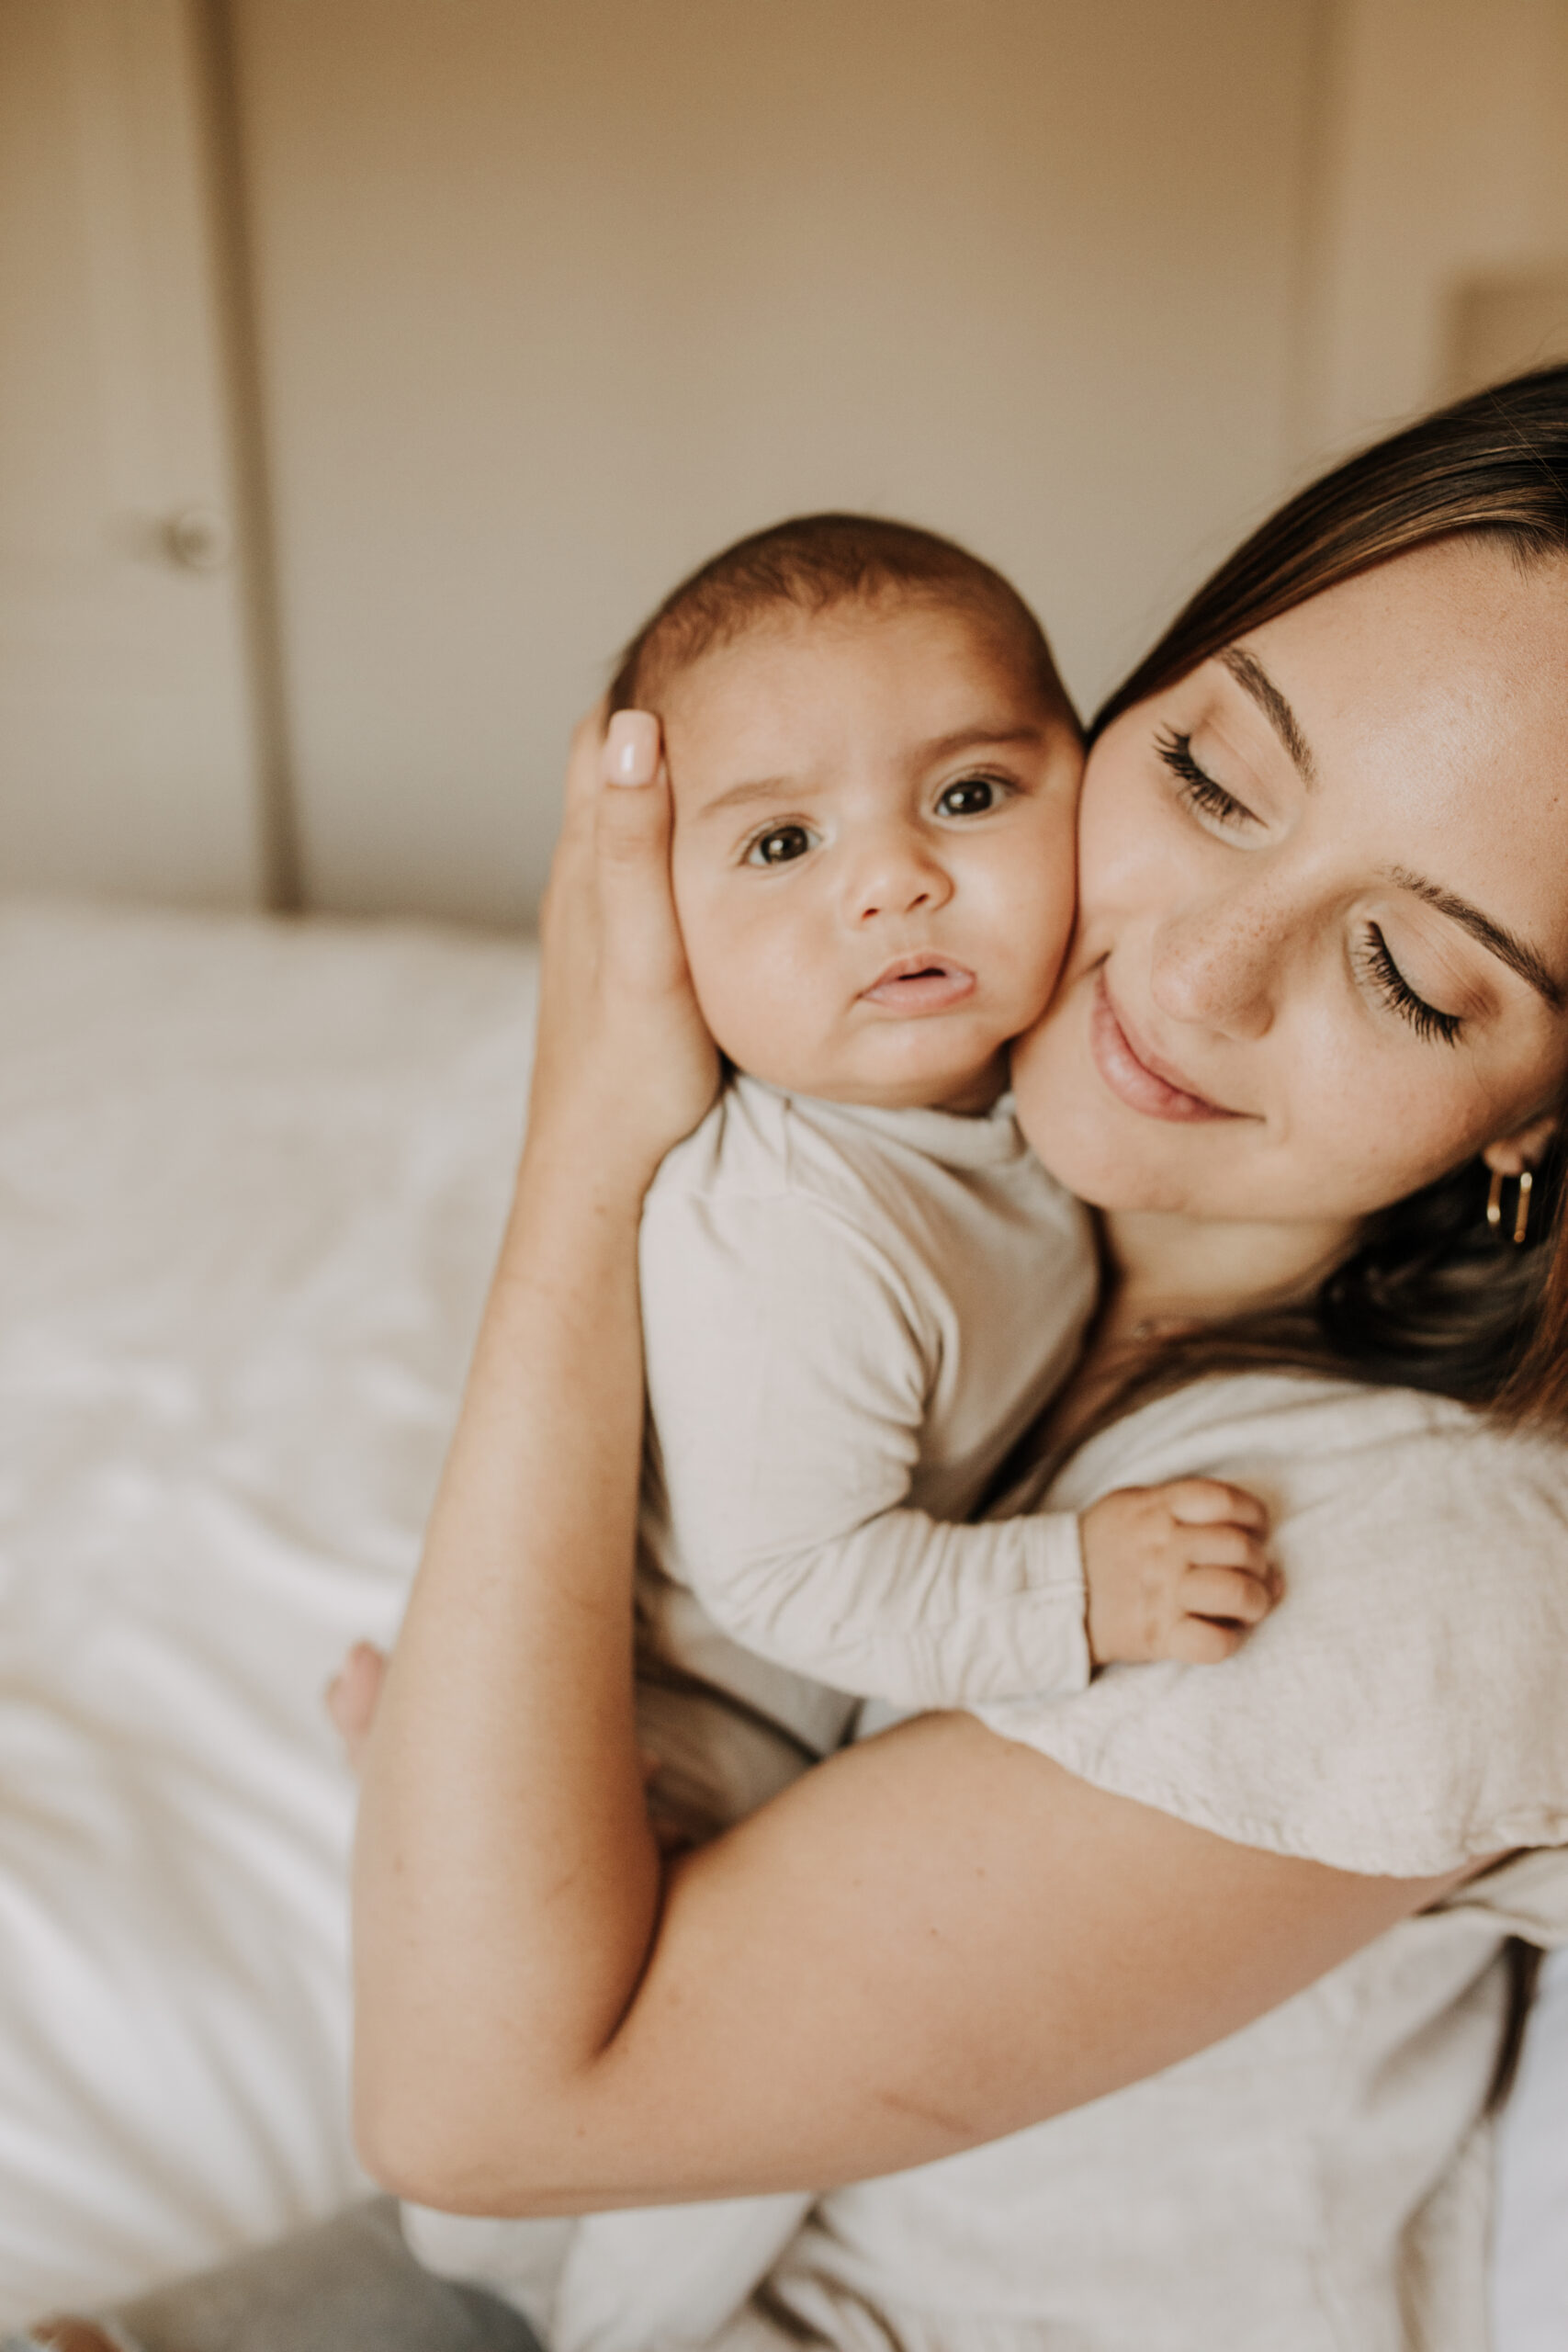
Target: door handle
[[199, 538]]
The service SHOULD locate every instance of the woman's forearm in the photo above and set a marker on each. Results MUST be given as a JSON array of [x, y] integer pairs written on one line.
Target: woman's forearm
[[506, 1880]]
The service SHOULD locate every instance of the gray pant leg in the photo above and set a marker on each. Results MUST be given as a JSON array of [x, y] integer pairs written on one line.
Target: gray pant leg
[[350, 2285]]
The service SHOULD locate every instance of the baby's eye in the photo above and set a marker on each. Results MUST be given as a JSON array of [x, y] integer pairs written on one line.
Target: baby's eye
[[971, 797], [781, 846]]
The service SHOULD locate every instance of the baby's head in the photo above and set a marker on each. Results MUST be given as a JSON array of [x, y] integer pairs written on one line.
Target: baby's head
[[874, 770]]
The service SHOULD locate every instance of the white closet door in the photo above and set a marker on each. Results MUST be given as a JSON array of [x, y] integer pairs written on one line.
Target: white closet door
[[126, 742]]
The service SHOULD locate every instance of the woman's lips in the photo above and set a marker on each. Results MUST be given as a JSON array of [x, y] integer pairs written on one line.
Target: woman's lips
[[1131, 1079], [920, 983]]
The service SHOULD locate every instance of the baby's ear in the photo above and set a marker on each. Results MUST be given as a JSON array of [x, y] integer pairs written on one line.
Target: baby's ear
[[1511, 1155]]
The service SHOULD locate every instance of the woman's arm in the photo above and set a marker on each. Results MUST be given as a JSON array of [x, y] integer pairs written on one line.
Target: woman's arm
[[505, 1874], [927, 1942]]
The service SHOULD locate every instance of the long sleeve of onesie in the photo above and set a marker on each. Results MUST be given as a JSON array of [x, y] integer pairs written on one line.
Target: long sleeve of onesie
[[792, 1359]]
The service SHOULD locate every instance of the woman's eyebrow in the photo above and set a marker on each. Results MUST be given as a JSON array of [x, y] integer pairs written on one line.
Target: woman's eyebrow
[[1254, 679], [1516, 953]]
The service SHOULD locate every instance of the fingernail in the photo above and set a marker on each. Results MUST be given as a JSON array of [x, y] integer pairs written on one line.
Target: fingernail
[[631, 750]]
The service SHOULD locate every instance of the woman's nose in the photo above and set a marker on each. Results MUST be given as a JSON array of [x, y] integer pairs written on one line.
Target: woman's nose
[[896, 875], [1219, 967]]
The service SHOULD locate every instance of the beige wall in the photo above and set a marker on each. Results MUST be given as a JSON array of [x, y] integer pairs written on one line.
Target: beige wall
[[553, 297], [1443, 244], [558, 296]]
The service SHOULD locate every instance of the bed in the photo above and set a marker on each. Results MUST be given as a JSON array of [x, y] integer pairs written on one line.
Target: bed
[[251, 1176]]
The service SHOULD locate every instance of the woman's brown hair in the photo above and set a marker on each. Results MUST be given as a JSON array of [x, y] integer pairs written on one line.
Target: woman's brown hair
[[1431, 1298]]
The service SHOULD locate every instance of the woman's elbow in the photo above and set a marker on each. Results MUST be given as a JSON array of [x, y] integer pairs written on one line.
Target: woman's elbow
[[428, 2151]]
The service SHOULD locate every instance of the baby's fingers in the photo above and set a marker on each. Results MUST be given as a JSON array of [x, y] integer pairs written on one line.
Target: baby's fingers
[[1223, 1547], [1226, 1593], [1203, 1502], [1197, 1641]]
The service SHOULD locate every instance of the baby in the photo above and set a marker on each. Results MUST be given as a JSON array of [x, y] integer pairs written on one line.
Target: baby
[[860, 1289]]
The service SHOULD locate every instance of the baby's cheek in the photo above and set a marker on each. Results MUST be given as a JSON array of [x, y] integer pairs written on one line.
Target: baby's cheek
[[716, 956], [1039, 924], [750, 995]]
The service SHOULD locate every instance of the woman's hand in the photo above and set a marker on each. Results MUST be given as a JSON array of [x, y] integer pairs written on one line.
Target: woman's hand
[[625, 1066]]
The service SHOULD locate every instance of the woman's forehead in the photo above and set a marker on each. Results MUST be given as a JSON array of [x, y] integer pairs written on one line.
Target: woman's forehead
[[1430, 697], [1462, 638]]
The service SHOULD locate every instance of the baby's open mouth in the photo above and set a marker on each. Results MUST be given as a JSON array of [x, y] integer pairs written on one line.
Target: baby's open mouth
[[919, 983]]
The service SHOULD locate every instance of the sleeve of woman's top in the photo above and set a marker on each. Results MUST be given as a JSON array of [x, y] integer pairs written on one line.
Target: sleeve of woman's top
[[789, 1363], [1405, 1708]]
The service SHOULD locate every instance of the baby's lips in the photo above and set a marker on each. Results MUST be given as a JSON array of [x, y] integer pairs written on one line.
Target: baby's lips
[[921, 984]]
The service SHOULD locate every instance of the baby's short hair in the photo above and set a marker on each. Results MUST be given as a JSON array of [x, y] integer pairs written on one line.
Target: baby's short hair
[[808, 565]]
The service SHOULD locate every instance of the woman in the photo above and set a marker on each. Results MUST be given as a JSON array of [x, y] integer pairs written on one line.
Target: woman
[[1314, 1024]]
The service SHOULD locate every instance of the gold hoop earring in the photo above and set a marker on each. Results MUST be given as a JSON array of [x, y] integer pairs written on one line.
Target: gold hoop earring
[[1522, 1208], [1521, 1205]]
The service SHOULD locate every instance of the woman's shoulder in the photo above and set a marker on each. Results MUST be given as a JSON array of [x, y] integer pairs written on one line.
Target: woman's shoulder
[[1406, 1706], [1418, 1478], [1314, 1427]]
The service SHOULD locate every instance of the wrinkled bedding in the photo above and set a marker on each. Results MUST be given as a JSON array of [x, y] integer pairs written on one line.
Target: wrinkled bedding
[[252, 1178]]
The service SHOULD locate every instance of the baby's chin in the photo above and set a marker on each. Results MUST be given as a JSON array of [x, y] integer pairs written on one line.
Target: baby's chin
[[897, 1080]]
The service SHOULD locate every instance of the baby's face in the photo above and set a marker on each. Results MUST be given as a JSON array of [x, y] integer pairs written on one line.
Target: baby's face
[[874, 856]]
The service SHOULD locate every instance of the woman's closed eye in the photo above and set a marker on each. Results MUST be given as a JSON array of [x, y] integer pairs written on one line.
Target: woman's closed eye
[[1198, 789], [1376, 964], [779, 844]]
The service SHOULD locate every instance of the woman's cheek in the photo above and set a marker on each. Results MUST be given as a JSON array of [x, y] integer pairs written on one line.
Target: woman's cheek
[[1130, 851], [1390, 1131]]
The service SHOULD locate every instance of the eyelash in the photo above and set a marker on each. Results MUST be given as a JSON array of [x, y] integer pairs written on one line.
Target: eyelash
[[1380, 968], [1198, 786], [1372, 957]]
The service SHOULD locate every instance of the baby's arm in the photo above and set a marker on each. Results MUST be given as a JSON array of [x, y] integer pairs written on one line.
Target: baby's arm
[[925, 1613], [789, 1366]]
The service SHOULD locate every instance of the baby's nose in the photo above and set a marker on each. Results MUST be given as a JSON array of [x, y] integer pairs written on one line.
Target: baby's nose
[[898, 878]]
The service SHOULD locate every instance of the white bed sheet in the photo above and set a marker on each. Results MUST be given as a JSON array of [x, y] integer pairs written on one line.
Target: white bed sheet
[[251, 1176]]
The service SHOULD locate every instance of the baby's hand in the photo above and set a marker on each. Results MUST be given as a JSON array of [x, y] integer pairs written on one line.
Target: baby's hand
[[1176, 1571]]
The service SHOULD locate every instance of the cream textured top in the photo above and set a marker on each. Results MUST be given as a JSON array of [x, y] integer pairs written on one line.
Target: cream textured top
[[849, 1318], [1320, 2179]]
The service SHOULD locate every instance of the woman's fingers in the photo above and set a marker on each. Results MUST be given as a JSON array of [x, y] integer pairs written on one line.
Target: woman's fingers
[[631, 748], [641, 940], [622, 1051]]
